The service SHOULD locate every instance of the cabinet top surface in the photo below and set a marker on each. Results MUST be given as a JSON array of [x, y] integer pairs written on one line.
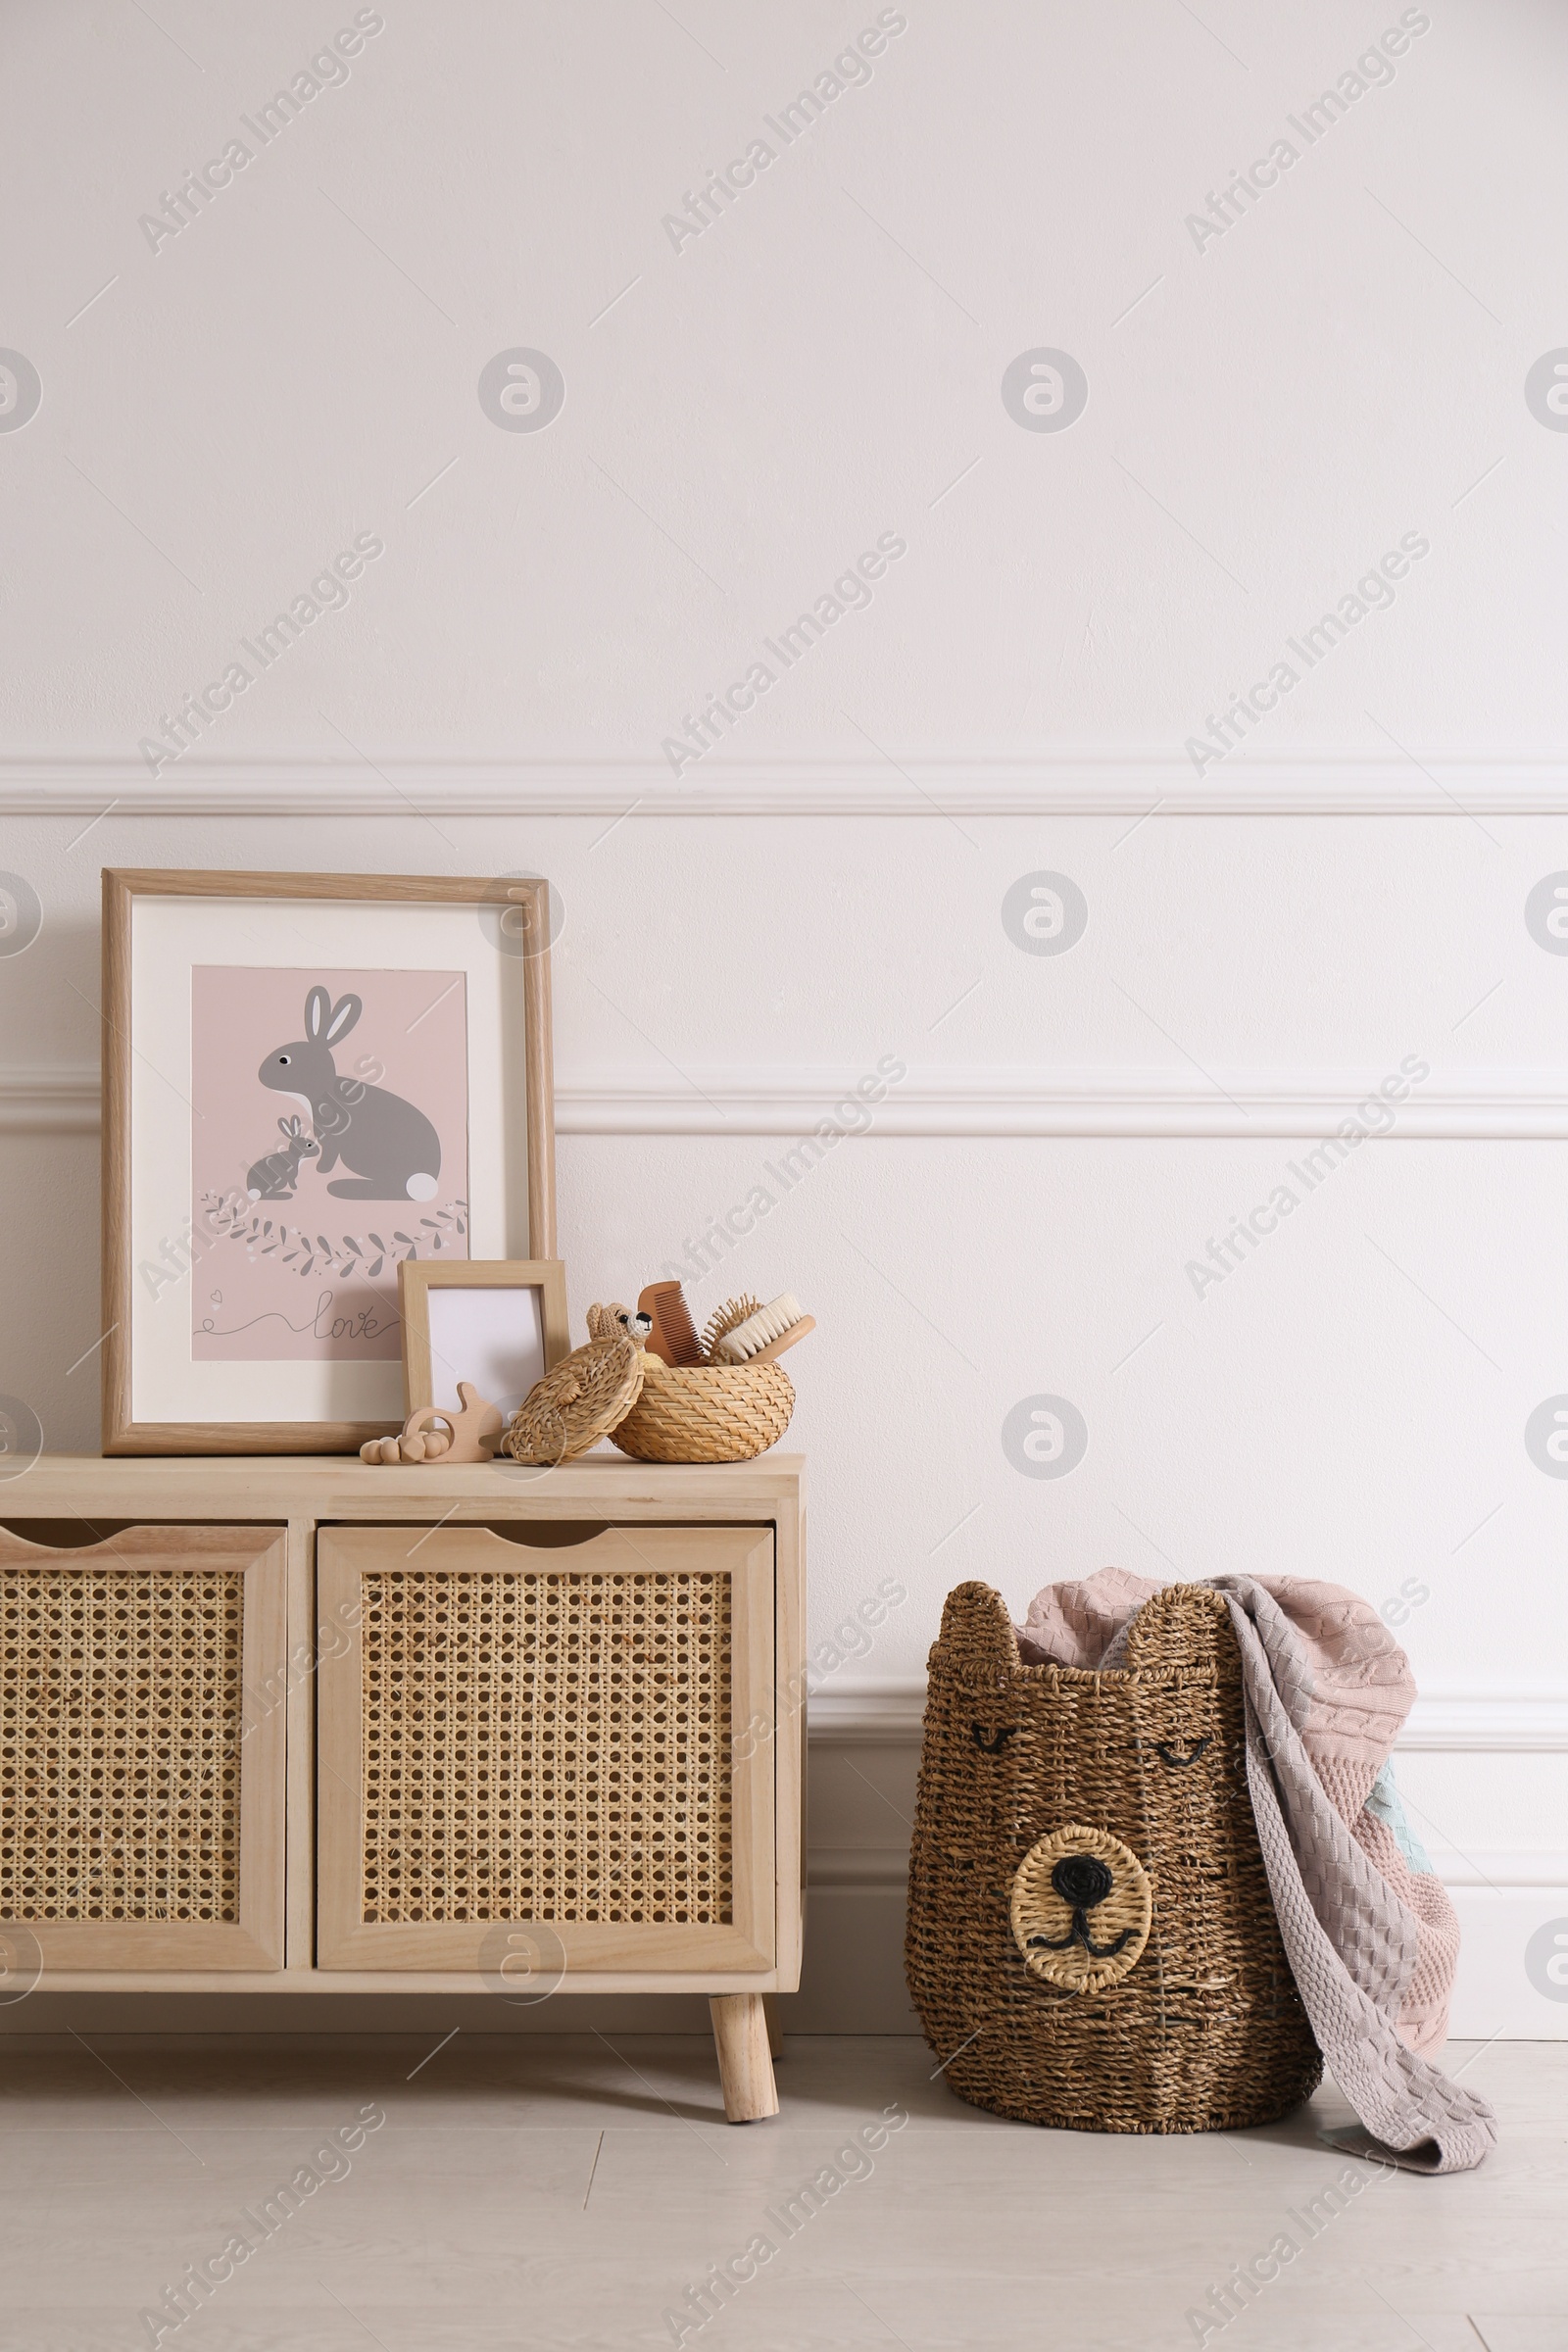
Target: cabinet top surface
[[326, 1483]]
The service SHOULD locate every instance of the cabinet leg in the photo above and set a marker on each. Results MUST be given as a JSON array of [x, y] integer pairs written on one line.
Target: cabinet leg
[[745, 2064], [776, 2032]]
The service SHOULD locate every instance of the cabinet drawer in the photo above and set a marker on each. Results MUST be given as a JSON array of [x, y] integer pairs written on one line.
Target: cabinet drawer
[[142, 1769], [511, 1739]]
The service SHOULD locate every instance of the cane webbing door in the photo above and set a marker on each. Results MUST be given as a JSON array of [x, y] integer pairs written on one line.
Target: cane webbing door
[[511, 1738], [141, 1757]]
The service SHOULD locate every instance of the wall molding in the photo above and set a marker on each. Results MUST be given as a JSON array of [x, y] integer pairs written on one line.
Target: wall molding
[[967, 1099], [1441, 1723], [932, 788], [858, 1867], [1502, 1868], [49, 1098], [980, 1101], [1496, 1722]]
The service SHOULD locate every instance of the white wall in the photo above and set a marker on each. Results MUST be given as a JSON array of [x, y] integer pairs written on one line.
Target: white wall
[[1345, 366]]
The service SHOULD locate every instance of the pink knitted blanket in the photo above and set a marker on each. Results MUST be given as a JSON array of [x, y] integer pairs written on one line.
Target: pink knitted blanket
[[1368, 1927]]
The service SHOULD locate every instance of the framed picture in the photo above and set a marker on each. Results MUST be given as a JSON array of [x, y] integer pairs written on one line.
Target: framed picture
[[499, 1322], [309, 1081]]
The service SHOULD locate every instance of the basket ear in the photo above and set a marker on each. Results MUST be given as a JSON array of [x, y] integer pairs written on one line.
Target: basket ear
[[1183, 1625], [975, 1625]]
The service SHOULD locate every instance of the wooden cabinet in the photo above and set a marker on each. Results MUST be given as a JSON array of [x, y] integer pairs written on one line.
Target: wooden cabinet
[[141, 1770], [309, 1725], [512, 1733]]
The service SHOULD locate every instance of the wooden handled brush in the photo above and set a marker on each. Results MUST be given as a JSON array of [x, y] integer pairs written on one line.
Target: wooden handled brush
[[765, 1334]]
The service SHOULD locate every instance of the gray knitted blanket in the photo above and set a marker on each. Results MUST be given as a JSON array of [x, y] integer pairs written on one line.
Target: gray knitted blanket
[[1367, 1926], [1352, 1945]]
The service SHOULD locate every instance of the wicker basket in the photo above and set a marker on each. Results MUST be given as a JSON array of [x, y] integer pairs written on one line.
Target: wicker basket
[[705, 1412], [1091, 1942]]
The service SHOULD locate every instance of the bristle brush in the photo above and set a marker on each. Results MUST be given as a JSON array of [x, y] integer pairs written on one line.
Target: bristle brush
[[765, 1334]]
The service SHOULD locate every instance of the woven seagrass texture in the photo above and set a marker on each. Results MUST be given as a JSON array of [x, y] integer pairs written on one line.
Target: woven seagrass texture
[[1060, 1941], [580, 1401], [547, 1746], [1205, 2031], [120, 1724], [705, 1412]]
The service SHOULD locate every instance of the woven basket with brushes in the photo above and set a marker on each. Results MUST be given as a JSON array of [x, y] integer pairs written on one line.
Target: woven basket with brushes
[[716, 1410]]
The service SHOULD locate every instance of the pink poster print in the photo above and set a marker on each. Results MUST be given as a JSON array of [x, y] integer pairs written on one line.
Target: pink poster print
[[329, 1139]]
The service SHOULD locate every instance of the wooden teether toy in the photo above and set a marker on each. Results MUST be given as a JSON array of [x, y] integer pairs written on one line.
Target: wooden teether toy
[[432, 1434]]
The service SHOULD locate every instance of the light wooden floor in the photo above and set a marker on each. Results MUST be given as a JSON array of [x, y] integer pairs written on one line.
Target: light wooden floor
[[564, 2193]]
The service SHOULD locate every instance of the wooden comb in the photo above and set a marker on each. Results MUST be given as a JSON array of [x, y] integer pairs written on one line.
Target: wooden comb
[[673, 1337]]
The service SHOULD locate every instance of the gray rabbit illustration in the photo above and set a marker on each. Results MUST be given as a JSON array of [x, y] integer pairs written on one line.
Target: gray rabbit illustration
[[274, 1177], [392, 1148]]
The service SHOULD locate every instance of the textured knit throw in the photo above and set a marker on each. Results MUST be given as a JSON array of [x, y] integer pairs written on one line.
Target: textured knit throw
[[1368, 1928]]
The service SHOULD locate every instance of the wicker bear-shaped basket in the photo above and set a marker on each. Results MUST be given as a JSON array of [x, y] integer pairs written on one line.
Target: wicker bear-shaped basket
[[1091, 1942]]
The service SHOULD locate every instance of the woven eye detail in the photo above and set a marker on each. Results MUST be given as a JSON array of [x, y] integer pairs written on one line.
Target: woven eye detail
[[1082, 1908], [1171, 1757], [995, 1741]]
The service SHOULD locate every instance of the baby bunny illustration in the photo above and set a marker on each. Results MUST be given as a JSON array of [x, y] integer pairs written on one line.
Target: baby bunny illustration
[[392, 1148], [274, 1177]]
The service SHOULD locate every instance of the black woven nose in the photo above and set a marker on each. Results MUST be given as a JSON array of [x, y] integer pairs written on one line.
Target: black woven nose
[[1081, 1879]]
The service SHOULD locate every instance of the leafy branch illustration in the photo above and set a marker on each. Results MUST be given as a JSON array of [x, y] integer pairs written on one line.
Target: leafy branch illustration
[[231, 1218]]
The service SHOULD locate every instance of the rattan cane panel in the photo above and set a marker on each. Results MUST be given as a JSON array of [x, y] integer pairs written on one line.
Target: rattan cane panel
[[120, 1726], [547, 1745]]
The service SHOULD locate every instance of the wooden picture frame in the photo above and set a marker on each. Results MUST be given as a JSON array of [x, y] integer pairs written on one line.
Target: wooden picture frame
[[161, 952], [431, 1370]]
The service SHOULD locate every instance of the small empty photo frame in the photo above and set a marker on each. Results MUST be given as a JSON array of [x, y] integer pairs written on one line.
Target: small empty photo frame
[[500, 1323]]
